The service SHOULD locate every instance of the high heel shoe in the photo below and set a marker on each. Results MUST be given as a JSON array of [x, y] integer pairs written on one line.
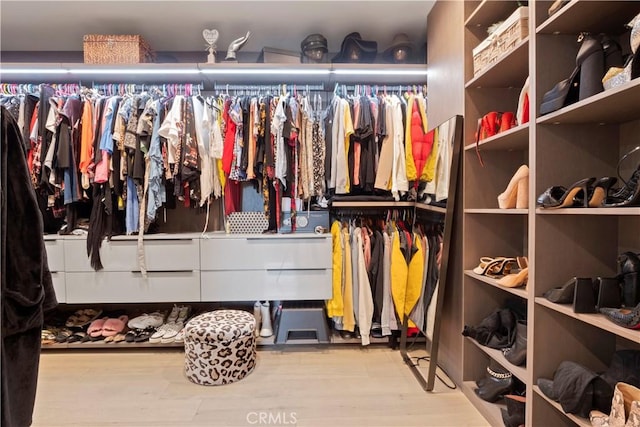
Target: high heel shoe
[[625, 317], [585, 80], [600, 191], [563, 294], [629, 195], [504, 266], [515, 280], [508, 199], [486, 263], [561, 197]]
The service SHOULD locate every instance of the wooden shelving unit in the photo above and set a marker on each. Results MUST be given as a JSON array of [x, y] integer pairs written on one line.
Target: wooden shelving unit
[[584, 139]]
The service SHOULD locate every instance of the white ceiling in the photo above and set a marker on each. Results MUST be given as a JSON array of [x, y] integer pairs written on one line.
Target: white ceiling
[[177, 25]]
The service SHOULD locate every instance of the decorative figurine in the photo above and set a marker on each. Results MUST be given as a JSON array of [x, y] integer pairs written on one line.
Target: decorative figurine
[[235, 46], [211, 37]]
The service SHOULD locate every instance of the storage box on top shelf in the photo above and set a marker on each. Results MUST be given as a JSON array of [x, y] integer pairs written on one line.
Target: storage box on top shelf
[[116, 49], [271, 55], [508, 34]]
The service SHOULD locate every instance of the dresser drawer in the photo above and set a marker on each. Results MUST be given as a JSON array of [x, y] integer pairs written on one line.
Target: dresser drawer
[[122, 255], [59, 285], [125, 287], [265, 253], [251, 285], [55, 254]]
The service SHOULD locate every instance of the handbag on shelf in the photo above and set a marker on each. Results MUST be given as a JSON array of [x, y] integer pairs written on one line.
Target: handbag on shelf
[[492, 124]]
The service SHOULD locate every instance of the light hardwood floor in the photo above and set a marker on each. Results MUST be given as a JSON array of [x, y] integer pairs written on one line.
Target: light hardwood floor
[[310, 386]]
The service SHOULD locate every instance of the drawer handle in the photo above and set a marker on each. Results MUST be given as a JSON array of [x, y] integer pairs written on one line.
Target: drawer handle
[[294, 269], [162, 271]]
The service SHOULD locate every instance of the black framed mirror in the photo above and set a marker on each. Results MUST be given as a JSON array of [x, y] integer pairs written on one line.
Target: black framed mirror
[[435, 214]]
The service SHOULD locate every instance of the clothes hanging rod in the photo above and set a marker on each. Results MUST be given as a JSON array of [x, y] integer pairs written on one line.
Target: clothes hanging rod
[[269, 87]]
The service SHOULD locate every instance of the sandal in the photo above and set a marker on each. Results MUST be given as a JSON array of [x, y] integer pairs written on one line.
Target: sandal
[[76, 337], [131, 335], [82, 318], [144, 334], [48, 336], [118, 338], [506, 267], [485, 263], [63, 335]]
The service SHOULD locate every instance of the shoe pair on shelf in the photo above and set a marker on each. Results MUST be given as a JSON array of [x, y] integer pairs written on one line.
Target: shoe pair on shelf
[[586, 294], [593, 193], [516, 195], [581, 391], [167, 333], [508, 272]]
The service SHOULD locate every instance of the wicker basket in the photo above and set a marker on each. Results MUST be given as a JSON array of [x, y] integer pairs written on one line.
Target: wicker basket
[[116, 49], [506, 37]]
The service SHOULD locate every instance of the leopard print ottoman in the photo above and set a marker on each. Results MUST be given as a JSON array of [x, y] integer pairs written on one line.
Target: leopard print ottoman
[[219, 347]]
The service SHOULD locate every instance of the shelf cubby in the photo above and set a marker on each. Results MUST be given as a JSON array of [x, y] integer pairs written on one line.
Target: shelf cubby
[[514, 139], [519, 292], [550, 413], [594, 319], [519, 372], [590, 16], [491, 411], [510, 69], [489, 11]]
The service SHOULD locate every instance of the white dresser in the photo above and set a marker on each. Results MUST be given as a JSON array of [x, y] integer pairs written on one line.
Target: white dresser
[[193, 268], [172, 270], [265, 267], [55, 256]]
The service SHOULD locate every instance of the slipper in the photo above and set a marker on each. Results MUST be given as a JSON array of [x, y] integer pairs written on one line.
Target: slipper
[[82, 318], [95, 329], [76, 337], [112, 327]]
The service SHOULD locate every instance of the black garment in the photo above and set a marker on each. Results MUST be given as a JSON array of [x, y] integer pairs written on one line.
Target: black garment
[[376, 277], [245, 106], [44, 134], [269, 155], [30, 102], [27, 290], [328, 139], [433, 273]]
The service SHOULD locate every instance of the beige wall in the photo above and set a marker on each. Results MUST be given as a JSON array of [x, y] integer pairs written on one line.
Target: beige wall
[[445, 33]]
